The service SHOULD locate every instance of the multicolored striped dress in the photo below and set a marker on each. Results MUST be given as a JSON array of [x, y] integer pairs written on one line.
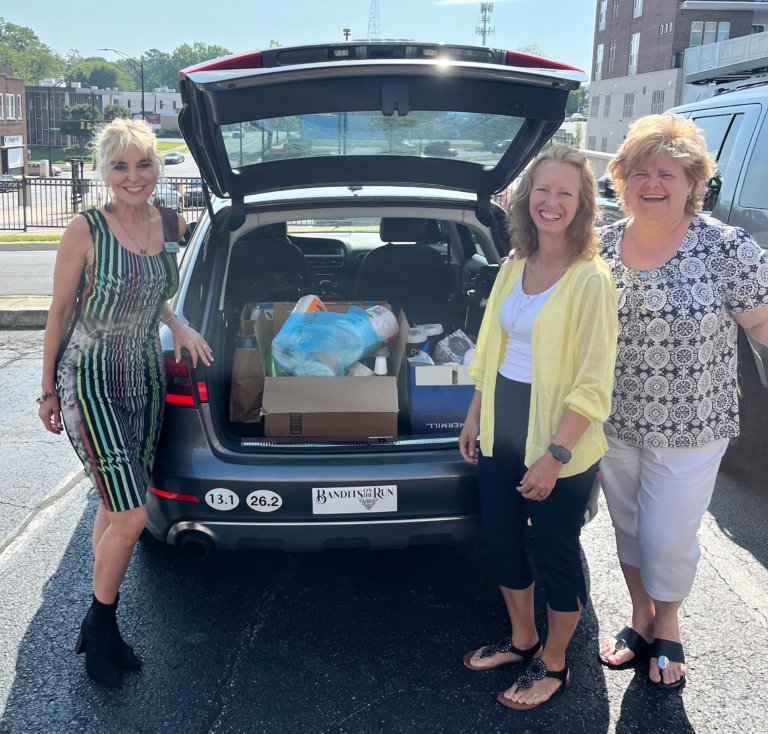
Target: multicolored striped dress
[[110, 376]]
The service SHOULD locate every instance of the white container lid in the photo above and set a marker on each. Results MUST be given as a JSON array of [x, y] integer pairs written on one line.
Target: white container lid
[[416, 335], [432, 329]]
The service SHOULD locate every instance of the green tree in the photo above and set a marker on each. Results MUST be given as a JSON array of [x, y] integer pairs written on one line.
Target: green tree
[[98, 72], [79, 121], [115, 110], [26, 55], [578, 99]]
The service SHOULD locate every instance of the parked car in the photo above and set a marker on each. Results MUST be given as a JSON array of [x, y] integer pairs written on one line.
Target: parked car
[[577, 117], [168, 194], [33, 169], [735, 126], [250, 458], [193, 194], [173, 156], [8, 182], [440, 149]]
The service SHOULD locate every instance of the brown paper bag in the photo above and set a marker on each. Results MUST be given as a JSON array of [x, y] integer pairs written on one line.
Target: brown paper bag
[[247, 386]]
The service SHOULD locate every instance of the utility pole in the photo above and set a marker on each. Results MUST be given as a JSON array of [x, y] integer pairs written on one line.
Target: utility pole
[[485, 29], [346, 32], [374, 21]]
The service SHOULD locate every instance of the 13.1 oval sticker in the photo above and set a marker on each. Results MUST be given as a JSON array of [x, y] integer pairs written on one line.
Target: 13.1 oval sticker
[[222, 499], [264, 500]]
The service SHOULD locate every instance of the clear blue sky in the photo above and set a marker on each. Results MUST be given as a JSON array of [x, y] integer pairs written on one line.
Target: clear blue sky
[[562, 28]]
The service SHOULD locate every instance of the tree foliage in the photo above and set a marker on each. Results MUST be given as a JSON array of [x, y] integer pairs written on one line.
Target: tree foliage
[[578, 100], [26, 55], [79, 120], [113, 111]]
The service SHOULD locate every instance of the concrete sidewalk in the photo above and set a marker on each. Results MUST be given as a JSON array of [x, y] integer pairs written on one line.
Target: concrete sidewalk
[[24, 312]]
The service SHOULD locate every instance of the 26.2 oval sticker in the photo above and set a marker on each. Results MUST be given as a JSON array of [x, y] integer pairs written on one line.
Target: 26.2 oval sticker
[[221, 499], [264, 500]]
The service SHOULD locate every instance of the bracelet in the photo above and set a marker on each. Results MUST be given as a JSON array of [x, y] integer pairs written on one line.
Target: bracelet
[[169, 320], [45, 396]]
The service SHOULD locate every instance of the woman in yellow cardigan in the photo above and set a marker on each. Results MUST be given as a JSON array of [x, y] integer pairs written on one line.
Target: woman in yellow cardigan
[[543, 369]]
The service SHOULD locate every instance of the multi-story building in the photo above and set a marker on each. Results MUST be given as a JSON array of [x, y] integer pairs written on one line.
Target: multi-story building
[[12, 133], [638, 56]]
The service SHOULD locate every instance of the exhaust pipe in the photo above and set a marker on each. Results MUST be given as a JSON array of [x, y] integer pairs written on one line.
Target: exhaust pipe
[[195, 545]]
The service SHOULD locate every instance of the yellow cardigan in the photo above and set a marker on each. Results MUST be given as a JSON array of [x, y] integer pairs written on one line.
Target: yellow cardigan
[[574, 355]]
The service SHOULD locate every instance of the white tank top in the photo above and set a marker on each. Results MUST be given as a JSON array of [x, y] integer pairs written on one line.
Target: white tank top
[[517, 315]]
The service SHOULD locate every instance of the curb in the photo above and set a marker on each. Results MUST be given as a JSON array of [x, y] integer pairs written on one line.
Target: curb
[[24, 312]]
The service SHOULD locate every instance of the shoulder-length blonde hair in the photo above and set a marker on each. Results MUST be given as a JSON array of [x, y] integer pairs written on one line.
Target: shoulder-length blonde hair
[[655, 136], [115, 138], [581, 233]]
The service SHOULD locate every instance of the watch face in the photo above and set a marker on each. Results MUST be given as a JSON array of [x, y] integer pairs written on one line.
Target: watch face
[[560, 453]]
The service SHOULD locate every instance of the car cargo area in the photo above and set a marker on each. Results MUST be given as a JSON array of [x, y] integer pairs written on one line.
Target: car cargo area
[[313, 284]]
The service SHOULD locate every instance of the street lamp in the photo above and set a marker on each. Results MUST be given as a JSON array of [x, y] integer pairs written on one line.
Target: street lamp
[[138, 66]]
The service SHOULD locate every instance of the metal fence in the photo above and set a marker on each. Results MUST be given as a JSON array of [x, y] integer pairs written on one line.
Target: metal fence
[[30, 202]]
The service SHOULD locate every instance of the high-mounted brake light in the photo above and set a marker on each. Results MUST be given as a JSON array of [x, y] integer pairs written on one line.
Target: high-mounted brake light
[[529, 61], [174, 495], [251, 60]]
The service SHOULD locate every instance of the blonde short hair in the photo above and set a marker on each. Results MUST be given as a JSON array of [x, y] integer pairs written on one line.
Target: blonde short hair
[[670, 135], [581, 233], [115, 138]]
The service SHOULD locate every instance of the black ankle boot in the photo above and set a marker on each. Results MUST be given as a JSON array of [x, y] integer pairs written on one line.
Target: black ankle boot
[[97, 641], [125, 656]]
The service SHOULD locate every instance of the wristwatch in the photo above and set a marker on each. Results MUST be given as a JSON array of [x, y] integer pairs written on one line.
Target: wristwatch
[[560, 453]]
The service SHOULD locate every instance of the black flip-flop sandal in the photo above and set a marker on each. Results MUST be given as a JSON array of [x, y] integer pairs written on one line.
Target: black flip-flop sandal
[[537, 670], [666, 652], [503, 646], [628, 639]]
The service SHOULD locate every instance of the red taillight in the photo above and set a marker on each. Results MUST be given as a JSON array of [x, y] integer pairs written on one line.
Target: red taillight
[[250, 60], [174, 495], [179, 382], [529, 61], [202, 391]]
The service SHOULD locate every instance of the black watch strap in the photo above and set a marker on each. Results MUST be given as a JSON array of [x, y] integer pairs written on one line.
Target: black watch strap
[[560, 453]]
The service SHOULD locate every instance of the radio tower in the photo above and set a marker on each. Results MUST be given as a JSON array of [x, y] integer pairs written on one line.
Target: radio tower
[[374, 21], [484, 29]]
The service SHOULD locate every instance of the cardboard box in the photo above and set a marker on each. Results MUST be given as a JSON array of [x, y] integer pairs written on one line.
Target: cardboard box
[[438, 398], [340, 408]]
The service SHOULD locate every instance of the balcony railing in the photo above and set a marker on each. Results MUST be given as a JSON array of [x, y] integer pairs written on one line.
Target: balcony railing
[[736, 57]]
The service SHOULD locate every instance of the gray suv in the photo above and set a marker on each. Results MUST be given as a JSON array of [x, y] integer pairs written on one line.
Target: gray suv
[[361, 207], [735, 125]]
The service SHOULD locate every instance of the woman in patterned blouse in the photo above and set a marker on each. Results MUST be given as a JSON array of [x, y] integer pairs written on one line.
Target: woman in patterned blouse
[[685, 281]]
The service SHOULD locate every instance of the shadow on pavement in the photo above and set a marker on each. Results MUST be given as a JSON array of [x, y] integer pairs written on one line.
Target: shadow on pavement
[[647, 709], [327, 643]]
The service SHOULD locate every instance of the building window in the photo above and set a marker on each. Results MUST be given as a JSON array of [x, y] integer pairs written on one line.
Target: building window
[[2, 115], [615, 8], [724, 30], [634, 48], [710, 32], [637, 8], [594, 106], [607, 106], [18, 106], [591, 142], [129, 103], [611, 55], [657, 102], [629, 104], [603, 145], [161, 104], [601, 16], [10, 107], [599, 62], [759, 28], [697, 29], [174, 104]]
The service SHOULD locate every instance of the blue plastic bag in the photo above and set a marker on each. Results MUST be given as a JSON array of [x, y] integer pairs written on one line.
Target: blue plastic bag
[[323, 343]]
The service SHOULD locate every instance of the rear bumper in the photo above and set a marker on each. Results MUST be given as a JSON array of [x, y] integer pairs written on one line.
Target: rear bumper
[[317, 536]]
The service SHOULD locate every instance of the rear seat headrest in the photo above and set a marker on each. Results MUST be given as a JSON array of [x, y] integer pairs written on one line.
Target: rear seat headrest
[[396, 229], [278, 229]]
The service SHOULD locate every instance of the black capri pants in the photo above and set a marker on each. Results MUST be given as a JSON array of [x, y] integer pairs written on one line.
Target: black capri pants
[[556, 521]]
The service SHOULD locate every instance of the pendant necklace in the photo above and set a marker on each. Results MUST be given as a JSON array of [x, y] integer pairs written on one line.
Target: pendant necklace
[[521, 304], [142, 250]]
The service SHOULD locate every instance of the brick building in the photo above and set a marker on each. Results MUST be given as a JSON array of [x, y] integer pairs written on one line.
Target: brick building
[[639, 52], [13, 143]]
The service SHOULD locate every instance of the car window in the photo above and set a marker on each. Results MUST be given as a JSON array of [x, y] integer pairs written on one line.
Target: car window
[[754, 192], [467, 136], [720, 132]]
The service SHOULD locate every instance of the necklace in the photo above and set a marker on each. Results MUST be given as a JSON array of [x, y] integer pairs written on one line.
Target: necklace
[[142, 250], [520, 305]]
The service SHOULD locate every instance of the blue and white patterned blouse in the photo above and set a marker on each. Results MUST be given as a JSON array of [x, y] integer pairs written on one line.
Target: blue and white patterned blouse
[[676, 366]]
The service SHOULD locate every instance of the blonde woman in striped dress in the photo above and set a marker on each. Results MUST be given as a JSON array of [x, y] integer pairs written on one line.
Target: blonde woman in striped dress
[[102, 365]]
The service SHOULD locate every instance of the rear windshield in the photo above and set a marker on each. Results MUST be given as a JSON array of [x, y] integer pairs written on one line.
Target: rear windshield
[[474, 137]]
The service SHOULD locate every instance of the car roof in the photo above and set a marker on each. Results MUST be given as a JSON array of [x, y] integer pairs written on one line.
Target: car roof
[[336, 114], [740, 95]]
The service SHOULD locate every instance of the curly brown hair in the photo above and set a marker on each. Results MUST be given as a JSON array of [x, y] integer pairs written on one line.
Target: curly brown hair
[[654, 136], [581, 233]]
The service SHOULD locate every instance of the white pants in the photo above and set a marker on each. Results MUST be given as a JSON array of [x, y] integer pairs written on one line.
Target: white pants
[[657, 498]]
